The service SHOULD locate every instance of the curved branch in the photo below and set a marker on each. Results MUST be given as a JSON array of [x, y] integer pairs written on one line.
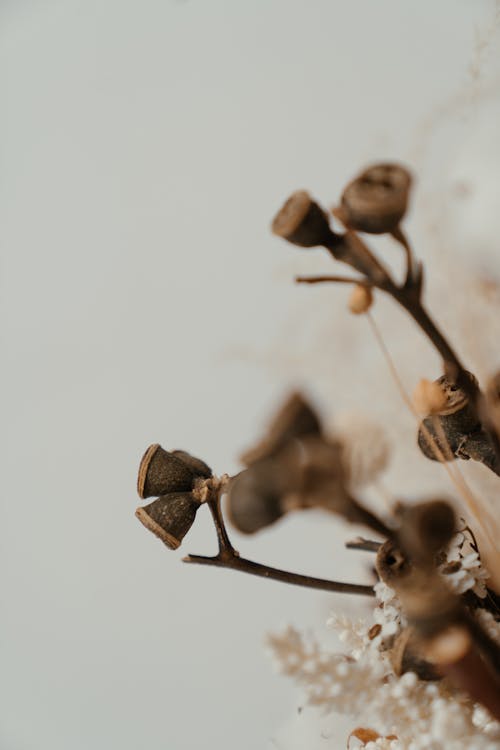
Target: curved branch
[[233, 561]]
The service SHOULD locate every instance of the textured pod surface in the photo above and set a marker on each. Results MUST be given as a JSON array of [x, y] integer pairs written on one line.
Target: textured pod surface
[[161, 472], [296, 418], [197, 466], [169, 517], [301, 221], [254, 498], [457, 420], [376, 200]]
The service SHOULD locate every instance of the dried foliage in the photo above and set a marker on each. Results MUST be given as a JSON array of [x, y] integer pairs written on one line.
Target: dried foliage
[[425, 672]]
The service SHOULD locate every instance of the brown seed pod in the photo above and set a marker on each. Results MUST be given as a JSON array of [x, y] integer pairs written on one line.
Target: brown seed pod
[[315, 474], [199, 467], [426, 528], [169, 517], [406, 656], [302, 222], [254, 498], [296, 418], [429, 397], [457, 418], [161, 472], [376, 200], [391, 565]]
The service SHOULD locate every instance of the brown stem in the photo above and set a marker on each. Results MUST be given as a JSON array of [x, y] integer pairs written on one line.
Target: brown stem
[[337, 279], [229, 557], [351, 249], [366, 545], [453, 368], [401, 237]]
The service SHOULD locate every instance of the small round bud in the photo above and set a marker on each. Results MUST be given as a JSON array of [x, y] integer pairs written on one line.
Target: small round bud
[[169, 517], [360, 299], [376, 201], [429, 397], [302, 222]]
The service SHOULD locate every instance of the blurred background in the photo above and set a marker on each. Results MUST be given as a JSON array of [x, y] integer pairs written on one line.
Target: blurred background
[[145, 147]]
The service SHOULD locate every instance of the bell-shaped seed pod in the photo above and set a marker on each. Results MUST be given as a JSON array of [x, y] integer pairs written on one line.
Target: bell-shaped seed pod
[[406, 656], [161, 472], [426, 528], [296, 418], [253, 499], [302, 222], [457, 419], [170, 517], [199, 467], [376, 200], [315, 472]]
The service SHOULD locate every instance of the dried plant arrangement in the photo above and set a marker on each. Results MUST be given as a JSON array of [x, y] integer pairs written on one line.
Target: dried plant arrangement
[[424, 672]]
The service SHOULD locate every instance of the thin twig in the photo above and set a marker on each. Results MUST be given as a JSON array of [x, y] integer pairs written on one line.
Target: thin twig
[[454, 473], [229, 557], [234, 562], [336, 279], [367, 545]]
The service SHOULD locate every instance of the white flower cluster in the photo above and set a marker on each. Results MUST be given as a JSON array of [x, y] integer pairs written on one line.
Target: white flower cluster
[[463, 570], [421, 715]]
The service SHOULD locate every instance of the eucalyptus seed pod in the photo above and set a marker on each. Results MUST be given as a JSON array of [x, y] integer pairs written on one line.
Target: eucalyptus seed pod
[[391, 564], [254, 498], [376, 200], [457, 420], [406, 656], [302, 222], [161, 472], [198, 467], [315, 474], [425, 529], [169, 517], [296, 418]]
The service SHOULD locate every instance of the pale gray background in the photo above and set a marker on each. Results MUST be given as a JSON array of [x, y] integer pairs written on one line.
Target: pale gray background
[[144, 149]]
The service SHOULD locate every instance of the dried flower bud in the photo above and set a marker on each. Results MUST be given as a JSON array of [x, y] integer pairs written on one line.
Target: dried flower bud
[[429, 397], [315, 475], [426, 528], [457, 419], [199, 467], [169, 517], [296, 418], [161, 471], [302, 222], [405, 656], [360, 299], [391, 564], [376, 200], [254, 498]]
